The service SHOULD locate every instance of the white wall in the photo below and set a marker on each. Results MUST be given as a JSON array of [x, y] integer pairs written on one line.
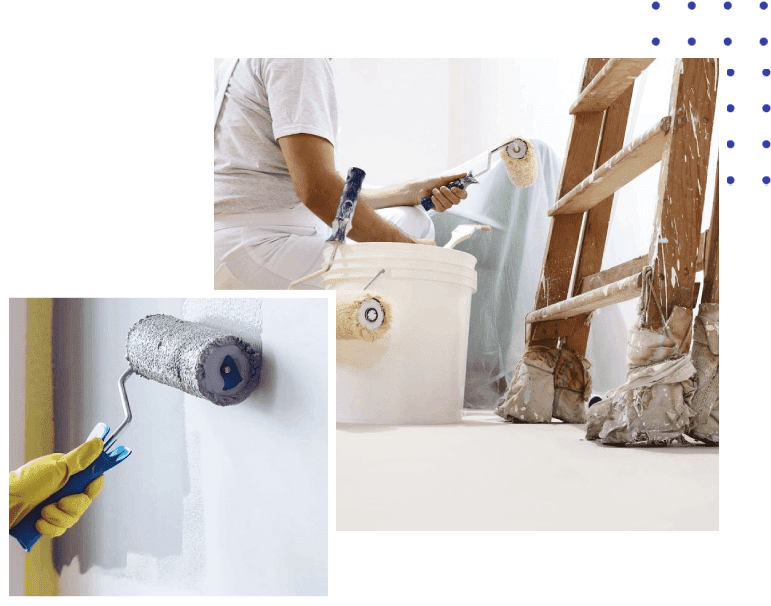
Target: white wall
[[213, 500], [403, 119], [394, 116]]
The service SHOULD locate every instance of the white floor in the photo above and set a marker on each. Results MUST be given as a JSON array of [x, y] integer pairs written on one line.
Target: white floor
[[487, 474]]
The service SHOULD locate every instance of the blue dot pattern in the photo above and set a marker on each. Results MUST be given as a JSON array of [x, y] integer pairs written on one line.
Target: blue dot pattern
[[733, 22]]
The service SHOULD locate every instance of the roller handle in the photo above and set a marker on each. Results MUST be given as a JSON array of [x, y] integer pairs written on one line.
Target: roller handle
[[25, 531], [353, 183], [461, 183], [347, 206]]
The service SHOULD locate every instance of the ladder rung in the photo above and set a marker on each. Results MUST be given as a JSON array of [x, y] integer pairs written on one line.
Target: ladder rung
[[632, 267], [630, 162], [613, 293], [613, 79], [614, 274]]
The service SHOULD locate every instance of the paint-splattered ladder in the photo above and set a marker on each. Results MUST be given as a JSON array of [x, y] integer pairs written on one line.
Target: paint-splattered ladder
[[596, 166]]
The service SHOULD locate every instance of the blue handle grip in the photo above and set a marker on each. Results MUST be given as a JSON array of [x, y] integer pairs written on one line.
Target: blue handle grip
[[25, 531], [347, 205], [461, 183]]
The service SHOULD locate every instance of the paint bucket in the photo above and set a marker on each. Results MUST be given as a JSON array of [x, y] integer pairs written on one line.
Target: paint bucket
[[415, 373]]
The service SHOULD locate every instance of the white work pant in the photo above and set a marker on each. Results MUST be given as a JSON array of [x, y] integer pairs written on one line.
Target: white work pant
[[269, 251]]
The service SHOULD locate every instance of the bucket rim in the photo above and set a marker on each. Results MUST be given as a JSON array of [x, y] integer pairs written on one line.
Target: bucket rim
[[424, 252]]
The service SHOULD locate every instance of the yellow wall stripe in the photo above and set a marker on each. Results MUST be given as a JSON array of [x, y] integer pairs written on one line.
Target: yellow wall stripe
[[41, 577]]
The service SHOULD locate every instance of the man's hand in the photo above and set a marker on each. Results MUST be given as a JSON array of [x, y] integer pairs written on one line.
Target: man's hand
[[442, 196]]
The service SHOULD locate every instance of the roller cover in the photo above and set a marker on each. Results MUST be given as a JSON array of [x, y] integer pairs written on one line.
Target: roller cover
[[365, 316], [522, 171], [199, 360]]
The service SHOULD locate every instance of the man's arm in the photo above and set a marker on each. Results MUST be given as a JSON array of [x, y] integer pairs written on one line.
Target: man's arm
[[311, 164]]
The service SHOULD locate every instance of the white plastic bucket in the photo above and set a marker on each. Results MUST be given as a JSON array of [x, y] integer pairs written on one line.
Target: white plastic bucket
[[416, 373]]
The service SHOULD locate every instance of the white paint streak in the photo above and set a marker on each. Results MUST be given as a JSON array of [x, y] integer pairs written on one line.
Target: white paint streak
[[674, 277]]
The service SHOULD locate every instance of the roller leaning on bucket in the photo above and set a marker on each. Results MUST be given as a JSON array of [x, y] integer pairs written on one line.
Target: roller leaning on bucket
[[193, 358], [363, 314]]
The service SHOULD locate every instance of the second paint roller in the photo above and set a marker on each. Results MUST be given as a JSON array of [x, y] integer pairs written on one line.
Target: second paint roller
[[519, 158], [196, 359], [362, 315]]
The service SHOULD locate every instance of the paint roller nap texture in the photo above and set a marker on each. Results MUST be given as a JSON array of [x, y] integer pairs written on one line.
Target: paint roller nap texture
[[194, 358], [519, 158], [362, 315]]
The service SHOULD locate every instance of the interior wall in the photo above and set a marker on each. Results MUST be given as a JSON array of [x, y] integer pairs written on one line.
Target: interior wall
[[393, 116], [494, 100], [403, 119], [213, 500]]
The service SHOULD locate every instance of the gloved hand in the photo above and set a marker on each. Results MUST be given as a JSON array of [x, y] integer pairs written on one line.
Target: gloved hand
[[37, 480]]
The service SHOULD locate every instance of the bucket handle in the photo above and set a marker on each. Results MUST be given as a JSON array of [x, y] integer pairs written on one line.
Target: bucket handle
[[377, 275]]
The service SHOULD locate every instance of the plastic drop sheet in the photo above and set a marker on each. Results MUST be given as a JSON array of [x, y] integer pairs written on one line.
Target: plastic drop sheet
[[655, 403], [547, 383], [508, 266], [706, 359]]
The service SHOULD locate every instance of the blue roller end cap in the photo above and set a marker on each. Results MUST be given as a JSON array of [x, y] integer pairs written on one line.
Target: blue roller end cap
[[229, 373]]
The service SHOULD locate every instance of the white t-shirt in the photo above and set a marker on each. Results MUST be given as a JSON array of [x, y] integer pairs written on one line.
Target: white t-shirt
[[265, 100]]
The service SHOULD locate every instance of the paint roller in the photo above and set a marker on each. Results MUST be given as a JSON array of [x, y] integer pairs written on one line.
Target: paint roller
[[519, 158], [343, 221], [196, 359], [193, 358], [362, 315]]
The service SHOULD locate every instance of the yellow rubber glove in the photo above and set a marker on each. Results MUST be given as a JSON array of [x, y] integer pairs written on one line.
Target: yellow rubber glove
[[37, 480]]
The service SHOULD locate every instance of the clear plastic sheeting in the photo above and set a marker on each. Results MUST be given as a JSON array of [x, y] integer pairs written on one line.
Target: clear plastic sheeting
[[706, 359], [655, 403], [652, 407], [509, 260], [547, 383]]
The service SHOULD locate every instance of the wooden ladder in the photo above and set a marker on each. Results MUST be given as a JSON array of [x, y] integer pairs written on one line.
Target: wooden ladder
[[596, 166]]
